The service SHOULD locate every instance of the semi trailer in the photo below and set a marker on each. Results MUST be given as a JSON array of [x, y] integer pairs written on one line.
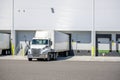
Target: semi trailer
[[4, 44], [48, 45]]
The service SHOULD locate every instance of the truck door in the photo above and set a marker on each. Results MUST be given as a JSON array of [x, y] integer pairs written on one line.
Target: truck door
[[103, 44]]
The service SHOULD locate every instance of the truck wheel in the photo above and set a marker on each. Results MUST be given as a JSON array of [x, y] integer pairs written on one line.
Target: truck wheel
[[66, 54], [55, 56], [48, 57], [0, 52], [29, 59], [38, 59]]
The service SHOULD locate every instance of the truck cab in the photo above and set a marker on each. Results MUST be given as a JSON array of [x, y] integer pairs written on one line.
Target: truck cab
[[40, 48]]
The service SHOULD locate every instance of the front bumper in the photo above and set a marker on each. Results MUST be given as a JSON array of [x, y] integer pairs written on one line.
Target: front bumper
[[36, 57]]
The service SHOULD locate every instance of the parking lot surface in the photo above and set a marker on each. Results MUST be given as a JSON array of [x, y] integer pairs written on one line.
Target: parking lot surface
[[58, 70]]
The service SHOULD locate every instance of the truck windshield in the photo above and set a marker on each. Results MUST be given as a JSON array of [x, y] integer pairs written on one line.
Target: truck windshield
[[40, 41]]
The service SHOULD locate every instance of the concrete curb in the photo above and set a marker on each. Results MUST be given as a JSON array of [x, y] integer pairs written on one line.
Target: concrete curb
[[88, 58], [13, 57], [69, 58]]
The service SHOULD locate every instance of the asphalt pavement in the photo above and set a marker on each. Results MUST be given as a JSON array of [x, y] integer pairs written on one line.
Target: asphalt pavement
[[58, 70]]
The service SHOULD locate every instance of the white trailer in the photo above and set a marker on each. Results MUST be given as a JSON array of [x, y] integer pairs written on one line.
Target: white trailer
[[48, 44], [4, 43]]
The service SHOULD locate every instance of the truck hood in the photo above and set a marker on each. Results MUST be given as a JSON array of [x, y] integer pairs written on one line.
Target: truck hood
[[38, 46]]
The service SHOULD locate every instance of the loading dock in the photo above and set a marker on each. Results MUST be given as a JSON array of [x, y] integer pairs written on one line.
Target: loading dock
[[81, 43], [108, 44], [83, 21], [118, 44], [23, 39], [5, 43], [103, 44]]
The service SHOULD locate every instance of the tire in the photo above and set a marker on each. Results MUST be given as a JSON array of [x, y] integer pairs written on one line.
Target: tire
[[48, 57], [38, 59], [29, 59], [0, 52], [66, 54], [55, 56], [3, 52]]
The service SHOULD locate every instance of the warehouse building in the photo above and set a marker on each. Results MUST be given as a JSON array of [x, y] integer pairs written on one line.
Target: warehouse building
[[93, 25]]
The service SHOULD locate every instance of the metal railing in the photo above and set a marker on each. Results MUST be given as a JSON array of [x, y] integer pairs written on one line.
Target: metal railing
[[20, 50], [17, 49]]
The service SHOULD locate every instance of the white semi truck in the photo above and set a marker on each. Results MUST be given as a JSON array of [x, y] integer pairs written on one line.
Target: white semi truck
[[48, 44], [4, 43]]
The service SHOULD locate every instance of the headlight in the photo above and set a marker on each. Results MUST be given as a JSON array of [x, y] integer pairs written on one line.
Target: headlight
[[29, 51]]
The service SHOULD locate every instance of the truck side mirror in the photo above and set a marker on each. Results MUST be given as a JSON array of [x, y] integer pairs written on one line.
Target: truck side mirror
[[29, 43], [50, 43]]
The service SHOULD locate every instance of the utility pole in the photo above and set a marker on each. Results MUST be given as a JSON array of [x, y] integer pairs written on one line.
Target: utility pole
[[93, 32], [13, 31]]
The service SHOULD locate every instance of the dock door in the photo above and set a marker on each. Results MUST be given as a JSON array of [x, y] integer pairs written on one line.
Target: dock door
[[103, 44], [81, 43], [118, 44]]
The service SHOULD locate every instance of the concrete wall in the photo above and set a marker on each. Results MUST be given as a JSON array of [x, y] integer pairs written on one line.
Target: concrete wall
[[107, 15], [5, 14], [68, 14], [73, 14], [32, 15]]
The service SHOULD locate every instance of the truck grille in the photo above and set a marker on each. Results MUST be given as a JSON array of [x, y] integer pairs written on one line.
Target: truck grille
[[35, 52]]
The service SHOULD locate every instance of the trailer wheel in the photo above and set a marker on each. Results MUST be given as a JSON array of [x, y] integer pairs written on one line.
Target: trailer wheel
[[29, 59]]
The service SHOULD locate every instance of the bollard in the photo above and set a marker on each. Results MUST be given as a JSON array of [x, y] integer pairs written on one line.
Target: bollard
[[0, 51], [103, 54]]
